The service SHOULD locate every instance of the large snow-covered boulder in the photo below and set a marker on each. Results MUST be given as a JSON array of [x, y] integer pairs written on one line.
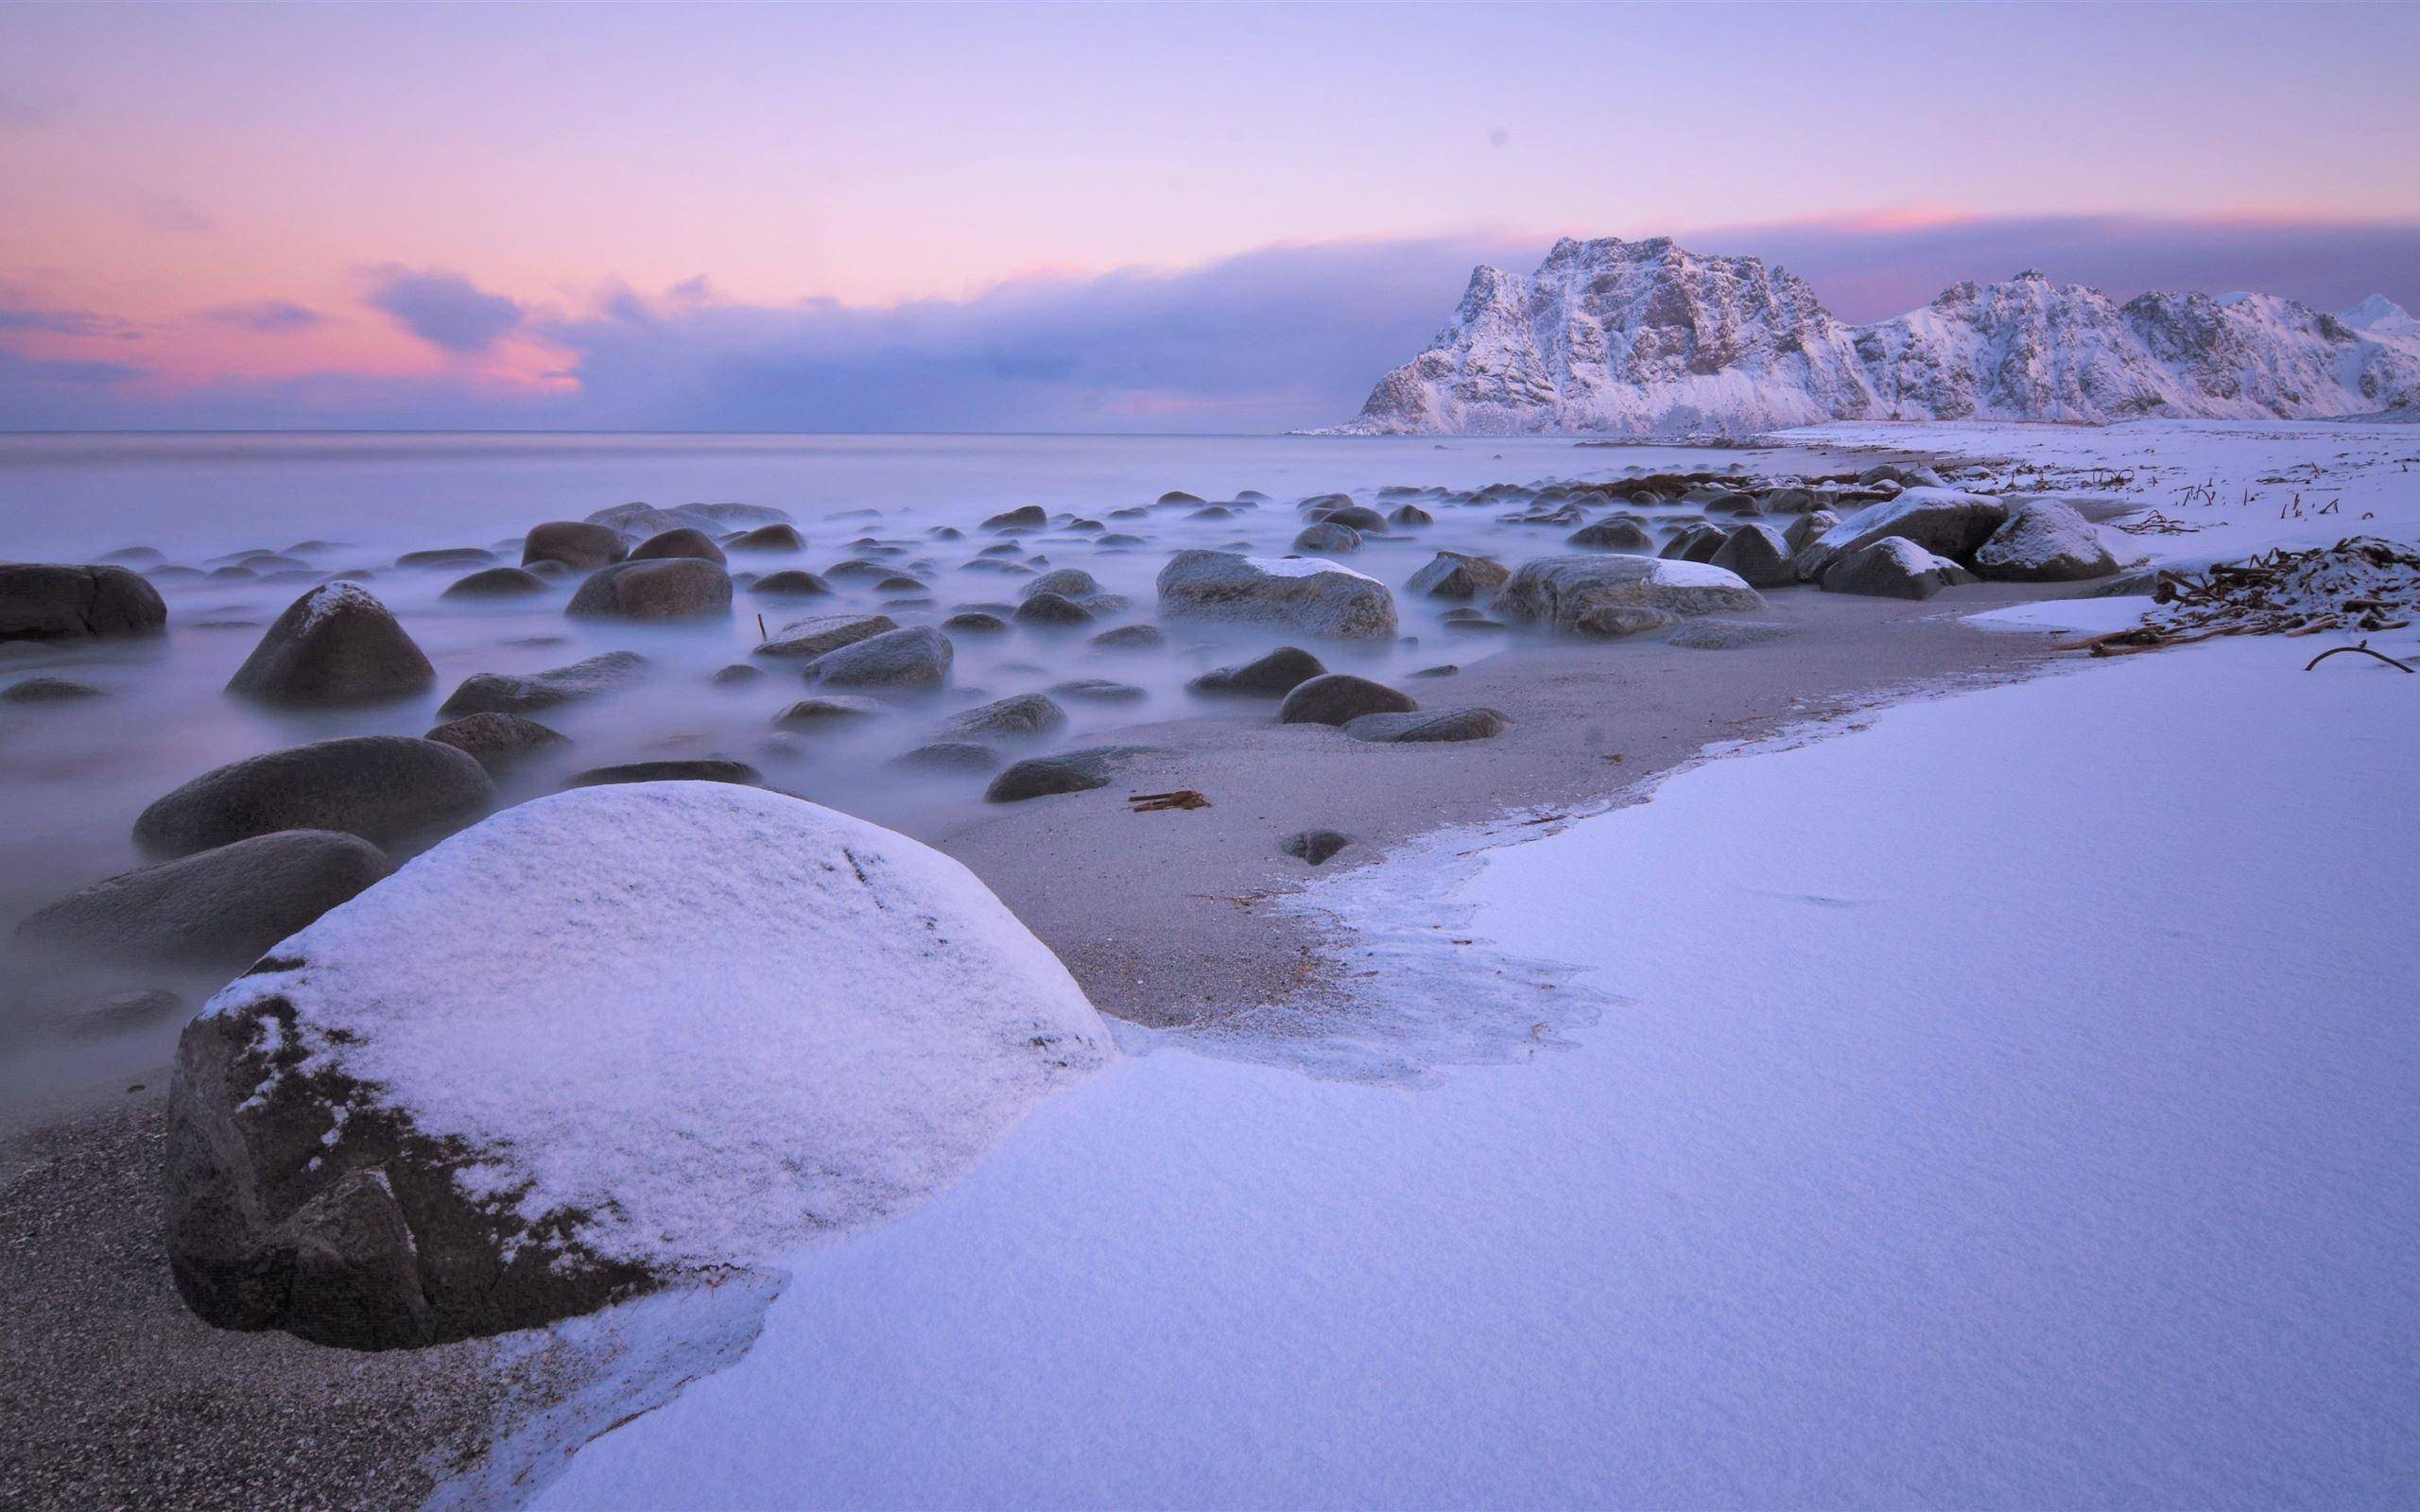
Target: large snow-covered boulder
[[1306, 595], [1893, 567], [1943, 520], [1594, 594], [605, 1040], [2044, 543]]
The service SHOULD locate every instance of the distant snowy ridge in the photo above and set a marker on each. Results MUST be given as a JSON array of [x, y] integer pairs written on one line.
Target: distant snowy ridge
[[1647, 339]]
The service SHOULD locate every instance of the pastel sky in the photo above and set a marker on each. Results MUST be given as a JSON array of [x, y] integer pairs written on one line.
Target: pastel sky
[[1074, 218]]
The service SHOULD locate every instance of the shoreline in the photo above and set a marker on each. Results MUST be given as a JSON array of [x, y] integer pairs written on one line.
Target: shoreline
[[1163, 917]]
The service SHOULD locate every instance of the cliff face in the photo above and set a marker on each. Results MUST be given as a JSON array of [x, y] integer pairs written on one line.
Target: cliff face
[[1647, 339]]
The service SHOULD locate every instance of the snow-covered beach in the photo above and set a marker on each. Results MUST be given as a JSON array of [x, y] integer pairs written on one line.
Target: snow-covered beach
[[1535, 1147]]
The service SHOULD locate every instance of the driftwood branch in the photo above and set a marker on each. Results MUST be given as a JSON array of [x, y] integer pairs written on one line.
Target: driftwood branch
[[2363, 648]]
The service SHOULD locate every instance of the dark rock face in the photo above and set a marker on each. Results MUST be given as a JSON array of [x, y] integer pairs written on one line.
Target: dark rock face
[[497, 582], [1300, 597], [1327, 536], [1612, 535], [1098, 689], [1760, 555], [448, 557], [1131, 638], [918, 658], [1574, 593], [665, 588], [218, 907], [576, 544], [48, 690], [1025, 716], [1695, 543], [498, 742], [1355, 517], [496, 693], [794, 583], [1271, 676], [53, 603], [1458, 574], [1336, 697], [1943, 522], [335, 646], [261, 1235], [1025, 517], [1071, 771], [829, 710], [1893, 567], [379, 787], [975, 622], [1052, 609], [950, 756], [1410, 517], [770, 537], [1068, 583], [1315, 846], [817, 634], [684, 543], [1429, 726], [700, 769]]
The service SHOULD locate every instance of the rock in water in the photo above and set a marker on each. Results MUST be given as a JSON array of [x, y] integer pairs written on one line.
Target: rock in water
[[1026, 716], [1760, 554], [1305, 595], [1328, 536], [53, 603], [1458, 574], [1052, 609], [498, 742], [2044, 543], [770, 537], [1582, 593], [1068, 583], [335, 646], [576, 544], [522, 1078], [497, 692], [1337, 696], [1893, 567], [497, 582], [918, 658], [1269, 676], [818, 634], [671, 588], [221, 908], [695, 769], [1612, 535], [683, 543], [48, 690], [1943, 520], [380, 787]]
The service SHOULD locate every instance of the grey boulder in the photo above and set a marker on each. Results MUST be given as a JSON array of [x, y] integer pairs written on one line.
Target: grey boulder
[[2045, 541], [1306, 595], [673, 588], [1581, 595], [1428, 724], [1944, 522], [576, 544], [1073, 771], [335, 646], [508, 694], [1893, 567], [496, 741], [1612, 535], [379, 787], [1458, 574], [918, 658], [218, 907], [1758, 553], [1336, 697], [1025, 716], [1269, 676], [819, 633], [40, 602]]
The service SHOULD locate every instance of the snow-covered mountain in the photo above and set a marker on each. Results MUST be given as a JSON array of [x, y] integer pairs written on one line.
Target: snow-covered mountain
[[1650, 339]]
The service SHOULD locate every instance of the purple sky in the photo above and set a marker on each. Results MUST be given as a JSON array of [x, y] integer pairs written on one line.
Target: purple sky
[[1081, 217]]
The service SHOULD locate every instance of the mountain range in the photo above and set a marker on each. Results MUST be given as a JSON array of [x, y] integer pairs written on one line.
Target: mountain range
[[1647, 339]]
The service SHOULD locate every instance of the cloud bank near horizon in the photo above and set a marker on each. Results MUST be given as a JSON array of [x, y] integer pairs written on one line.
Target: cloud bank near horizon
[[1281, 338]]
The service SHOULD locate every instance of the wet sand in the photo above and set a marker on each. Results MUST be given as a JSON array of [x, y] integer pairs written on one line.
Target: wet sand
[[118, 1396]]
